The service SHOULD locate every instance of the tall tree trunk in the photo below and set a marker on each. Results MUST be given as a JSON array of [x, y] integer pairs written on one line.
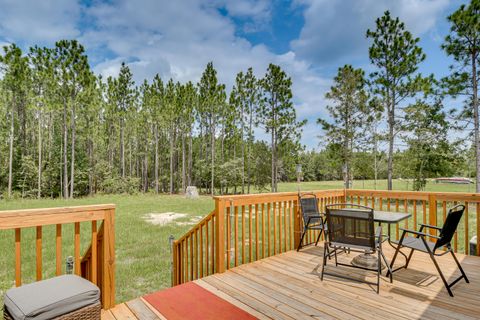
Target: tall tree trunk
[[375, 161], [172, 143], [391, 137], [122, 147], [91, 164], [39, 183], [156, 158], [273, 161], [212, 183], [476, 121], [65, 147], [243, 149], [249, 149], [72, 160], [190, 157], [184, 167], [10, 155]]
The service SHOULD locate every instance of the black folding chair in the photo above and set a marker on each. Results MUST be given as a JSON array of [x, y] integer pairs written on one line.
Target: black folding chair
[[419, 242], [312, 218], [351, 226]]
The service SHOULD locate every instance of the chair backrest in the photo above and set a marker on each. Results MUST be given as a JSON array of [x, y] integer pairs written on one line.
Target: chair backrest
[[350, 225], [308, 205], [450, 225]]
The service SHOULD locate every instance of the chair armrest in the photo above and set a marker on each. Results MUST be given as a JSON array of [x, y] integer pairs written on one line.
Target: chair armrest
[[430, 226], [418, 233]]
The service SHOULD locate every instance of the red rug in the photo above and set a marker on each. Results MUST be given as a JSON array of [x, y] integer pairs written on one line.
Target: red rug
[[190, 301]]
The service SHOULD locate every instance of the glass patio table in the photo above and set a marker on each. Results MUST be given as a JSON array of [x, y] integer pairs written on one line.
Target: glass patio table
[[367, 260]]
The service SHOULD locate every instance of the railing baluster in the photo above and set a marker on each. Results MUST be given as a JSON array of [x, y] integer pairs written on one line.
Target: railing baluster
[[405, 206], [196, 253], [274, 228], [268, 230], [250, 246], [213, 245], [466, 237], [94, 253], [229, 233], [478, 227], [415, 215], [243, 235], [455, 236], [285, 226], [207, 248], [256, 231], [424, 208], [39, 253], [280, 227], [201, 249], [191, 257], [77, 248], [236, 235], [263, 230], [18, 257], [58, 245]]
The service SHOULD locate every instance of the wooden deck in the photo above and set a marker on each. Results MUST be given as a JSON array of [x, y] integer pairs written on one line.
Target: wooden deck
[[288, 286]]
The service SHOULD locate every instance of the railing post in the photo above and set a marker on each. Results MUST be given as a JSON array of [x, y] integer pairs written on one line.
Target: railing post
[[432, 212], [108, 277], [173, 266], [219, 235], [296, 224]]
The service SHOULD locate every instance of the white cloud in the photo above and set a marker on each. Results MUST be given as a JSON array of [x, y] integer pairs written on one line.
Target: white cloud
[[38, 22], [178, 39], [335, 30]]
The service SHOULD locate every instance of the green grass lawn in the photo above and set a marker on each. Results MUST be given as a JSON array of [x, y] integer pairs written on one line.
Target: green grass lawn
[[142, 249]]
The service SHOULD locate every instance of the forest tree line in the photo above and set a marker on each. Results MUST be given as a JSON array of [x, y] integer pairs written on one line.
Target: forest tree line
[[68, 132]]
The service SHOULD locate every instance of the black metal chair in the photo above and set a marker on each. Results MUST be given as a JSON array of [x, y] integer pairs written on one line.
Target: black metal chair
[[312, 218], [443, 240], [351, 226]]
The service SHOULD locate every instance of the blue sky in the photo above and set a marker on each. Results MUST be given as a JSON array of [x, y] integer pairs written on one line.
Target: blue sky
[[310, 39]]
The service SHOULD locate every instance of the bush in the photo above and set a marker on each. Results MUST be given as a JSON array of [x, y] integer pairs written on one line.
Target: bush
[[120, 185]]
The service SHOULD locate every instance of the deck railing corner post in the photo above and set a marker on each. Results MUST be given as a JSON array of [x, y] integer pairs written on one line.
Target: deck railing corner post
[[220, 252], [108, 277]]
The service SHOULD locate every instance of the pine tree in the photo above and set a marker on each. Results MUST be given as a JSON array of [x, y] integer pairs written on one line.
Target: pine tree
[[277, 114], [396, 55], [349, 114], [463, 44], [15, 82]]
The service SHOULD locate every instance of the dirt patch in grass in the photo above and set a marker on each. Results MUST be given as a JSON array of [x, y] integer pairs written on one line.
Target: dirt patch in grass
[[170, 217], [163, 218]]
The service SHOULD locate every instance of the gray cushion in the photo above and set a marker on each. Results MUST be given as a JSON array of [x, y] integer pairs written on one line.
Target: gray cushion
[[51, 298]]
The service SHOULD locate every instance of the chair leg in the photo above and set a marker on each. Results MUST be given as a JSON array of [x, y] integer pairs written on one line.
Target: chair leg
[[324, 259], [389, 272], [440, 273], [408, 258], [318, 238], [396, 253], [379, 266], [335, 252], [301, 239], [459, 266]]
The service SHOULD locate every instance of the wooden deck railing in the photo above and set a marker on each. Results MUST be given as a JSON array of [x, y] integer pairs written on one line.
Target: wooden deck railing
[[98, 264], [242, 229], [246, 228]]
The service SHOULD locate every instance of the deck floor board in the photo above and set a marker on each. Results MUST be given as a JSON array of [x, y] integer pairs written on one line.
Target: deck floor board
[[288, 286]]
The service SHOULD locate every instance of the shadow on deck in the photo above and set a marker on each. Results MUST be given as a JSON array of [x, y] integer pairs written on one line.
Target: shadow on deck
[[288, 286]]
